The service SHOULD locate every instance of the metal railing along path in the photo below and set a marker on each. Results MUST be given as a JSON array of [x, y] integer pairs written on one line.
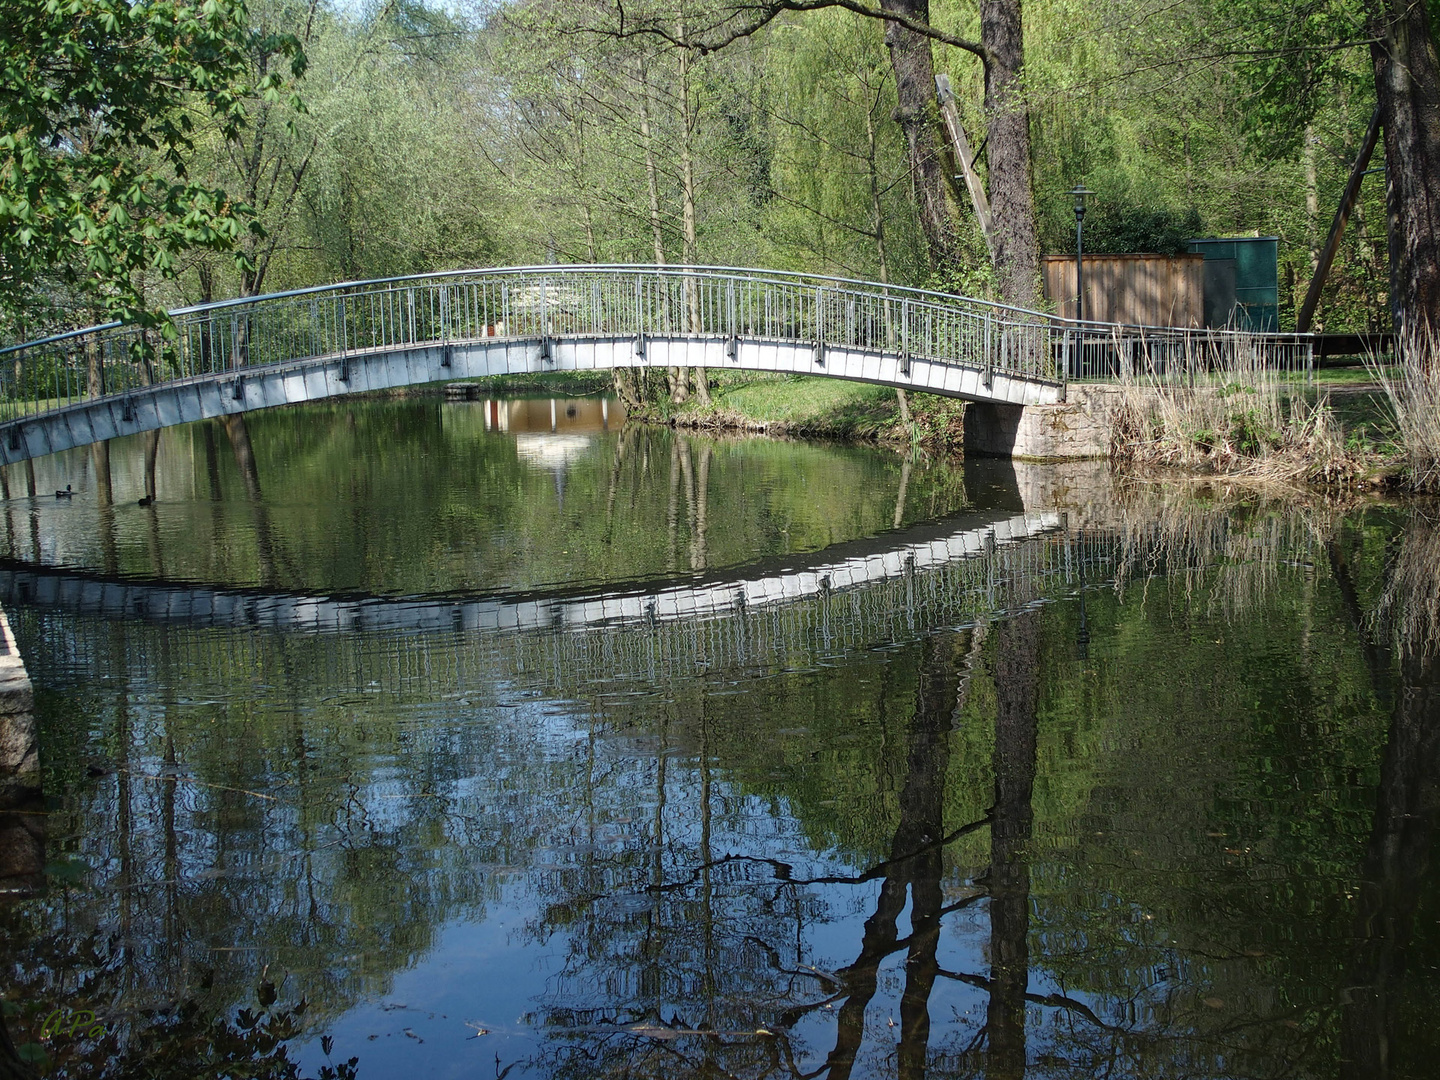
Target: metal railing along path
[[629, 304]]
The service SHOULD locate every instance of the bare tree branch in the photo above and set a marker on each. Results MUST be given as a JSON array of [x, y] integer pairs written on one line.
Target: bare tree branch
[[745, 20]]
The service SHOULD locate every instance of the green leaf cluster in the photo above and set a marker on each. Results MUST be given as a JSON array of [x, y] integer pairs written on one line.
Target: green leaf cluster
[[100, 103]]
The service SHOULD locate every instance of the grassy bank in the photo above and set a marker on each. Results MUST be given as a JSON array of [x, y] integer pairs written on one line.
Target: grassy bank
[[1376, 426], [809, 407], [1346, 428]]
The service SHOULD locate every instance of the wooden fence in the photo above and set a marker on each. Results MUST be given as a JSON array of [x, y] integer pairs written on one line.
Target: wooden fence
[[1143, 290]]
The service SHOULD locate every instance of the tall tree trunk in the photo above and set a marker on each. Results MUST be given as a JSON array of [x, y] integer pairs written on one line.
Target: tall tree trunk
[[652, 189], [877, 225], [877, 207], [1312, 198], [1407, 91], [652, 182], [915, 90], [94, 362], [687, 187], [1012, 203]]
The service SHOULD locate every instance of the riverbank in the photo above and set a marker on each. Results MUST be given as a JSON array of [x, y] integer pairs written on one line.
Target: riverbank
[[1349, 428], [808, 407], [1339, 431]]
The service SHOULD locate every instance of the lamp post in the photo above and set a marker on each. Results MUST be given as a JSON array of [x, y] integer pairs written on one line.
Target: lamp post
[[1080, 193]]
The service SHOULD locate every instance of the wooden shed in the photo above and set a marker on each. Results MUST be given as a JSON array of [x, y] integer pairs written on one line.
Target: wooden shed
[[1145, 290]]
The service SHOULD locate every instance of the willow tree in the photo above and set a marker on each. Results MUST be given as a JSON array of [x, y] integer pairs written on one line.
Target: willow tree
[[909, 35], [838, 170], [378, 175], [622, 150]]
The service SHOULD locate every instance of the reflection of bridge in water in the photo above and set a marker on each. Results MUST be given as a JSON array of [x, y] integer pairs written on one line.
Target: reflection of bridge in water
[[774, 614]]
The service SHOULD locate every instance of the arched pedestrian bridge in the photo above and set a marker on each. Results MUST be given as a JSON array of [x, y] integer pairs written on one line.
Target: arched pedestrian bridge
[[238, 355]]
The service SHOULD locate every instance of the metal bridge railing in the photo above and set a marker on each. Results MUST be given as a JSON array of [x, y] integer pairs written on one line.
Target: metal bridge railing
[[577, 302], [1115, 352]]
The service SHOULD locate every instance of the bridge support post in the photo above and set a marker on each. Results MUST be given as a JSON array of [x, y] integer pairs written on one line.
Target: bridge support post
[[992, 430], [22, 825], [1075, 429]]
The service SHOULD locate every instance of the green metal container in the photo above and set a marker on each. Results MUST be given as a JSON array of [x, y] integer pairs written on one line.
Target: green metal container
[[1242, 282]]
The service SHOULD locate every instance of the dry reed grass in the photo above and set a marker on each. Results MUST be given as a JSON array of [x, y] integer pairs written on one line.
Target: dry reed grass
[[1414, 399], [1225, 406]]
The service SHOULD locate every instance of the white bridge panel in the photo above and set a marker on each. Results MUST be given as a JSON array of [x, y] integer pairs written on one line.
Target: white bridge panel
[[207, 396]]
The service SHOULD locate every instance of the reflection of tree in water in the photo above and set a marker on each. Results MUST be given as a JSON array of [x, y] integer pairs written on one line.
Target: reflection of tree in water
[[205, 808], [1378, 1002], [265, 840], [677, 953], [711, 971], [411, 497], [1271, 971], [1017, 666], [1158, 998]]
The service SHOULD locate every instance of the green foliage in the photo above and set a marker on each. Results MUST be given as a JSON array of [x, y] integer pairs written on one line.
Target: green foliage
[[837, 166], [1251, 115], [975, 277], [1126, 228], [1251, 435], [1298, 67], [98, 107], [435, 138]]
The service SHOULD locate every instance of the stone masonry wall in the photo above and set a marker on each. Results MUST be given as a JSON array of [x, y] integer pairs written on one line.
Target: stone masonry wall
[[1077, 428]]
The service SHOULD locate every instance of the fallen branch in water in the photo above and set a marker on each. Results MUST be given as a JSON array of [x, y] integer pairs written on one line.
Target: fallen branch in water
[[197, 783]]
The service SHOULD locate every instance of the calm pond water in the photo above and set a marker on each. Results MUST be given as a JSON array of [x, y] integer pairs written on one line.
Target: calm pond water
[[518, 741]]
